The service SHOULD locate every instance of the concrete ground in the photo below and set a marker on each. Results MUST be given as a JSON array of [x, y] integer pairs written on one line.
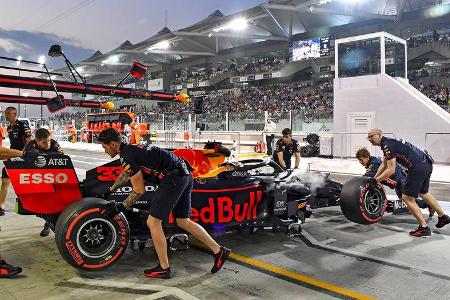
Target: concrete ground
[[333, 259]]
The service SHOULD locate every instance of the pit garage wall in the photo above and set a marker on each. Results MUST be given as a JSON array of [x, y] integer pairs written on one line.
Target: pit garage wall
[[398, 108]]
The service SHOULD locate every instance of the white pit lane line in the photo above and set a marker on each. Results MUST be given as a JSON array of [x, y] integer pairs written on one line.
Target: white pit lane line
[[160, 291]]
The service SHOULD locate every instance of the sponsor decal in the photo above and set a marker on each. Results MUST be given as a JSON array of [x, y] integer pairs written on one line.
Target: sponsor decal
[[57, 162], [128, 189], [280, 204], [16, 159], [74, 253], [222, 209], [105, 173], [38, 178], [200, 180], [239, 174], [40, 161], [123, 230], [399, 204]]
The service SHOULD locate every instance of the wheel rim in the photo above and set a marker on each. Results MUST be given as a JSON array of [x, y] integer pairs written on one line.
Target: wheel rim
[[373, 201], [96, 238]]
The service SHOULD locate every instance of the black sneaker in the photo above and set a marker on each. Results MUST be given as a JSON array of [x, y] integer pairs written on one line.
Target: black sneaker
[[220, 258], [7, 270], [158, 272], [45, 231], [421, 232], [442, 221], [2, 211]]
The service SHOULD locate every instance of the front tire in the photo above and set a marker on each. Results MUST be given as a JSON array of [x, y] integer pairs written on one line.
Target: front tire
[[362, 204], [89, 241]]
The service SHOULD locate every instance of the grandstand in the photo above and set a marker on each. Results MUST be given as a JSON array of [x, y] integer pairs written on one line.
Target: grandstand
[[210, 56]]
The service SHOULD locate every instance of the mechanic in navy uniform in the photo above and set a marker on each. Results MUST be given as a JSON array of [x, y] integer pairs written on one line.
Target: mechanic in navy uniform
[[396, 181], [19, 134], [7, 270], [419, 167], [42, 144], [285, 148], [173, 175]]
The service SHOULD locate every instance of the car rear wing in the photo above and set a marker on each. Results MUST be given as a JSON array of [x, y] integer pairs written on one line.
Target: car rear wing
[[44, 184]]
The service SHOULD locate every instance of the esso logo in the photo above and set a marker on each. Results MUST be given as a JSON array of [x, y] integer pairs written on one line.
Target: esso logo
[[48, 178]]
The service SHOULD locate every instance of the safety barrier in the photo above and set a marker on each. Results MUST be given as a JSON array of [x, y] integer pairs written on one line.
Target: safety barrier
[[242, 141]]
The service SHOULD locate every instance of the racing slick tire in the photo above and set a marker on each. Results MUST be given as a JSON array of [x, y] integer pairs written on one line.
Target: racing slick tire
[[361, 203], [86, 239]]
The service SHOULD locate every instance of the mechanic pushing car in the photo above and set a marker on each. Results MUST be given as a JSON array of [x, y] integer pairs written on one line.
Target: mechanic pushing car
[[173, 195], [285, 148], [19, 134], [420, 166], [395, 182], [7, 270], [41, 145]]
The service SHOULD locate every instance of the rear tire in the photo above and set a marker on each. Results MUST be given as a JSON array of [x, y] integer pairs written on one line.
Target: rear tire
[[362, 204], [86, 239]]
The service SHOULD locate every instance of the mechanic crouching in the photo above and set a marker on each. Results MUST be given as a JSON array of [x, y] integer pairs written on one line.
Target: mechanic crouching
[[396, 181], [173, 195], [42, 144]]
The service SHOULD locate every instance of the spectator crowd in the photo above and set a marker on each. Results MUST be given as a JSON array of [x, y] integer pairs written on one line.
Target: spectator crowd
[[251, 102], [197, 75], [260, 66], [313, 98]]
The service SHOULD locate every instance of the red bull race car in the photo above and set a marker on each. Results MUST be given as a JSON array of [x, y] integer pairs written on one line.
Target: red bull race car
[[248, 194]]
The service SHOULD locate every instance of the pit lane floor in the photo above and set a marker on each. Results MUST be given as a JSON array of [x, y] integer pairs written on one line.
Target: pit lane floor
[[334, 259]]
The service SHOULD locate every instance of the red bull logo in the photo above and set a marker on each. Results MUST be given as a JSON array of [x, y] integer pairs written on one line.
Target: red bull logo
[[222, 209]]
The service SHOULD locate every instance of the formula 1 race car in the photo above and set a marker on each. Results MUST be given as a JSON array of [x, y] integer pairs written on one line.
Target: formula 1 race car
[[248, 194]]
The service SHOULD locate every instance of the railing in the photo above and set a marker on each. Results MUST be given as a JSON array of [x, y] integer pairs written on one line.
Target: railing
[[348, 143], [241, 141]]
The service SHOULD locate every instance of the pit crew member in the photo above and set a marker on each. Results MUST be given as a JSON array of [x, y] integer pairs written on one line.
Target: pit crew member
[[19, 134], [285, 148], [419, 165], [269, 130], [41, 145], [395, 182], [173, 195], [7, 270]]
